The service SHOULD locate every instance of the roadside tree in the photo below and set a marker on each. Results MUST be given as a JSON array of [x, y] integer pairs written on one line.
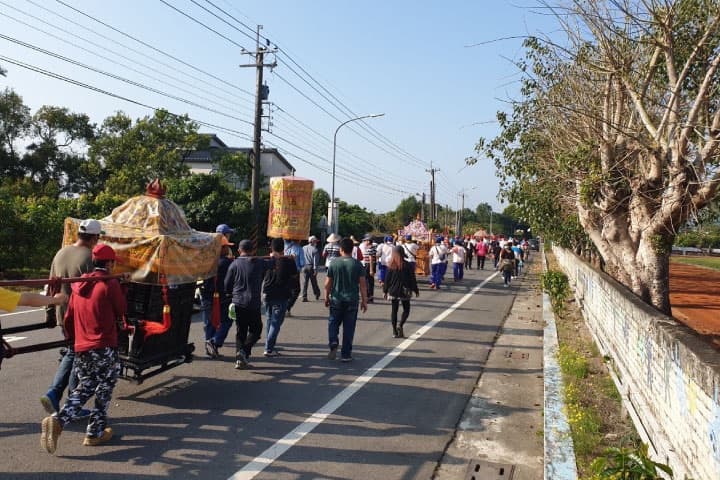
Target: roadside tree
[[617, 133]]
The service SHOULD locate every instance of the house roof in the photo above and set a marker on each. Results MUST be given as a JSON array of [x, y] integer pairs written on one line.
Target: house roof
[[206, 155]]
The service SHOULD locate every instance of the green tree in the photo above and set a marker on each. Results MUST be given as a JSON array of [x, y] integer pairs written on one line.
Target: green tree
[[52, 157], [618, 132], [135, 154], [208, 200], [320, 201], [354, 219], [14, 125], [407, 210]]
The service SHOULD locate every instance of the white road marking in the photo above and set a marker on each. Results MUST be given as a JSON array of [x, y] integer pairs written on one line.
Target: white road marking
[[267, 457]]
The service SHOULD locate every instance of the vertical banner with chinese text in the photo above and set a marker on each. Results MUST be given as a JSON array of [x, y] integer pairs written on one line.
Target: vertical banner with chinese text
[[290, 207]]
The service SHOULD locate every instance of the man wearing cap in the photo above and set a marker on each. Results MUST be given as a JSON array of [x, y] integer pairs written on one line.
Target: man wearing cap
[[438, 259], [369, 263], [225, 230], [244, 282], [91, 319], [214, 339], [332, 249], [384, 253], [311, 254], [70, 261]]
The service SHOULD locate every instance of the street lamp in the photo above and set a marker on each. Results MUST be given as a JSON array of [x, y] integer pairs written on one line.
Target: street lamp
[[333, 211]]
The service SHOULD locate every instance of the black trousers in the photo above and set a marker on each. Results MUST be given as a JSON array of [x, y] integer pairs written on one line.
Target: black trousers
[[395, 304], [249, 328]]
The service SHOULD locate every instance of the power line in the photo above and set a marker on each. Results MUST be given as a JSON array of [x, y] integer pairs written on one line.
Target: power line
[[122, 79], [154, 48], [181, 12], [138, 52], [88, 86], [320, 135], [331, 102], [129, 67]]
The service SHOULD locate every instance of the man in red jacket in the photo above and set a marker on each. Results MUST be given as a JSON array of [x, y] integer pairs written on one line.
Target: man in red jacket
[[91, 319]]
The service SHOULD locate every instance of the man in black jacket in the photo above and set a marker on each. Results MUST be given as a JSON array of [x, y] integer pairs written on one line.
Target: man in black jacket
[[278, 286], [244, 280]]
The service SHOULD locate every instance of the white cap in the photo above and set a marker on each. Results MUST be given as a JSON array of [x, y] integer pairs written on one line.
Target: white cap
[[312, 238], [91, 227]]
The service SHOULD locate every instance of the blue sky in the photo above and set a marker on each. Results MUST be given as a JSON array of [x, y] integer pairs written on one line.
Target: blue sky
[[406, 59]]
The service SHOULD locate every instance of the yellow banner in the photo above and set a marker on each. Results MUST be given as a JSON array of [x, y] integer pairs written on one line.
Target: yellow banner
[[290, 208]]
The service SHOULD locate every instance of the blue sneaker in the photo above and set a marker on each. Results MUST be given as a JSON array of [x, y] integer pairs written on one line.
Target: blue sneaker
[[50, 402]]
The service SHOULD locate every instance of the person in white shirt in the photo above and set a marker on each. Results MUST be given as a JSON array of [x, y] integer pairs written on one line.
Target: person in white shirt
[[458, 253], [384, 253], [438, 259], [410, 249]]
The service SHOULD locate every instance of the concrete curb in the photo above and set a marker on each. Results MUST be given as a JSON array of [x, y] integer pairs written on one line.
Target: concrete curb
[[559, 451]]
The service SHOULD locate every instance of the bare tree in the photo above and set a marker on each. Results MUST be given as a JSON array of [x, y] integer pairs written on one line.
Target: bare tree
[[619, 127]]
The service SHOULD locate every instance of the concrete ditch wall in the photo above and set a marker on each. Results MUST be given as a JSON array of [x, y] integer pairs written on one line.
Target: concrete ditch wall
[[668, 376]]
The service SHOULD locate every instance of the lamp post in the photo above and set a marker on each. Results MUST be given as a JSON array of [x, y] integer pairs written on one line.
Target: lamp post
[[333, 210]]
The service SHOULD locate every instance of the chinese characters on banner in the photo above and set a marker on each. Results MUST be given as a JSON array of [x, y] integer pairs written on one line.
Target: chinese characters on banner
[[290, 208]]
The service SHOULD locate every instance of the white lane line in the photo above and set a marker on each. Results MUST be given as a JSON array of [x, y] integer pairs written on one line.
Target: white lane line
[[267, 457], [21, 312]]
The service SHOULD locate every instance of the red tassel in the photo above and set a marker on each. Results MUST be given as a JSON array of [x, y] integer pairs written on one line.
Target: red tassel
[[154, 328], [215, 318]]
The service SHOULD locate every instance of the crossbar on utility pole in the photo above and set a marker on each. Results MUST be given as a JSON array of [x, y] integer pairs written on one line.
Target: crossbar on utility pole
[[259, 64]]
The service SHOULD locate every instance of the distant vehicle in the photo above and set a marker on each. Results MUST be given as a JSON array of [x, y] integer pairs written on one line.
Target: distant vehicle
[[534, 244]]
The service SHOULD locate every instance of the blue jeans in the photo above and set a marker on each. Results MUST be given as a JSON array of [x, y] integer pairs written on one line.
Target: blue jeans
[[345, 314], [275, 310], [65, 375], [457, 271], [218, 336]]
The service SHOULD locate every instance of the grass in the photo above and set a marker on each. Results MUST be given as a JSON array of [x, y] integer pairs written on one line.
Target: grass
[[707, 262], [592, 402]]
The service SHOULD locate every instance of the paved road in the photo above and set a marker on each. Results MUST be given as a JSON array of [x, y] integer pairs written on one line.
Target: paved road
[[388, 414]]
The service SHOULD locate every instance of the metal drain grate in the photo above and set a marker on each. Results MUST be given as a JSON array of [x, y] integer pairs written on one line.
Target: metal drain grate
[[482, 470], [516, 354]]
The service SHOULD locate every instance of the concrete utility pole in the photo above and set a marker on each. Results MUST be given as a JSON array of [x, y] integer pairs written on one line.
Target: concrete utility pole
[[432, 171], [261, 94], [460, 214]]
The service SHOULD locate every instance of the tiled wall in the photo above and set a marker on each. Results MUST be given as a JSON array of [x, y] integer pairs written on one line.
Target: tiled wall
[[668, 375]]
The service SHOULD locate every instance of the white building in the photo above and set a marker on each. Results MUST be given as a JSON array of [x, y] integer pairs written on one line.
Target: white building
[[272, 162]]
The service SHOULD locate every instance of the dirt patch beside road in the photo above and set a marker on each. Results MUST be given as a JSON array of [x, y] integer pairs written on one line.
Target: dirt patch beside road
[[695, 298]]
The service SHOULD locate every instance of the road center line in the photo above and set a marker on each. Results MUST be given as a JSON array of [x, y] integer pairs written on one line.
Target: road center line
[[266, 458]]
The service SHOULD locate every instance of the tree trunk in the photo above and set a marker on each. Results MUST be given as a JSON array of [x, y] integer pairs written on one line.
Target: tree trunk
[[653, 277], [645, 270]]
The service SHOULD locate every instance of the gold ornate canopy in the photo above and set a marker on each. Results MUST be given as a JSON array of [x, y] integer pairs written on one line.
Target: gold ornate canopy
[[152, 238]]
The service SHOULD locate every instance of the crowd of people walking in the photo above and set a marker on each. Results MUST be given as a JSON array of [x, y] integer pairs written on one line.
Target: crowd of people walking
[[245, 288]]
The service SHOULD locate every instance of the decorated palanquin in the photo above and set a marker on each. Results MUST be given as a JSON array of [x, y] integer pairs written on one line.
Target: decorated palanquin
[[289, 215], [151, 238], [420, 233], [165, 257]]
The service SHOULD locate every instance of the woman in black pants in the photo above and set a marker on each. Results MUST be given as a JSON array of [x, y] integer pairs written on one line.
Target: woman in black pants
[[400, 283]]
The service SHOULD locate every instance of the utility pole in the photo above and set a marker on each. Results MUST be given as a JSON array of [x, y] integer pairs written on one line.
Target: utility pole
[[432, 171], [261, 95], [460, 214]]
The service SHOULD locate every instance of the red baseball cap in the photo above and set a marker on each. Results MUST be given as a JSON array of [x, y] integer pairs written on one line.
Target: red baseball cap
[[103, 251]]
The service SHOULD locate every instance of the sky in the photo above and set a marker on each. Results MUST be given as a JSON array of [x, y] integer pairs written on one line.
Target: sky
[[337, 60]]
